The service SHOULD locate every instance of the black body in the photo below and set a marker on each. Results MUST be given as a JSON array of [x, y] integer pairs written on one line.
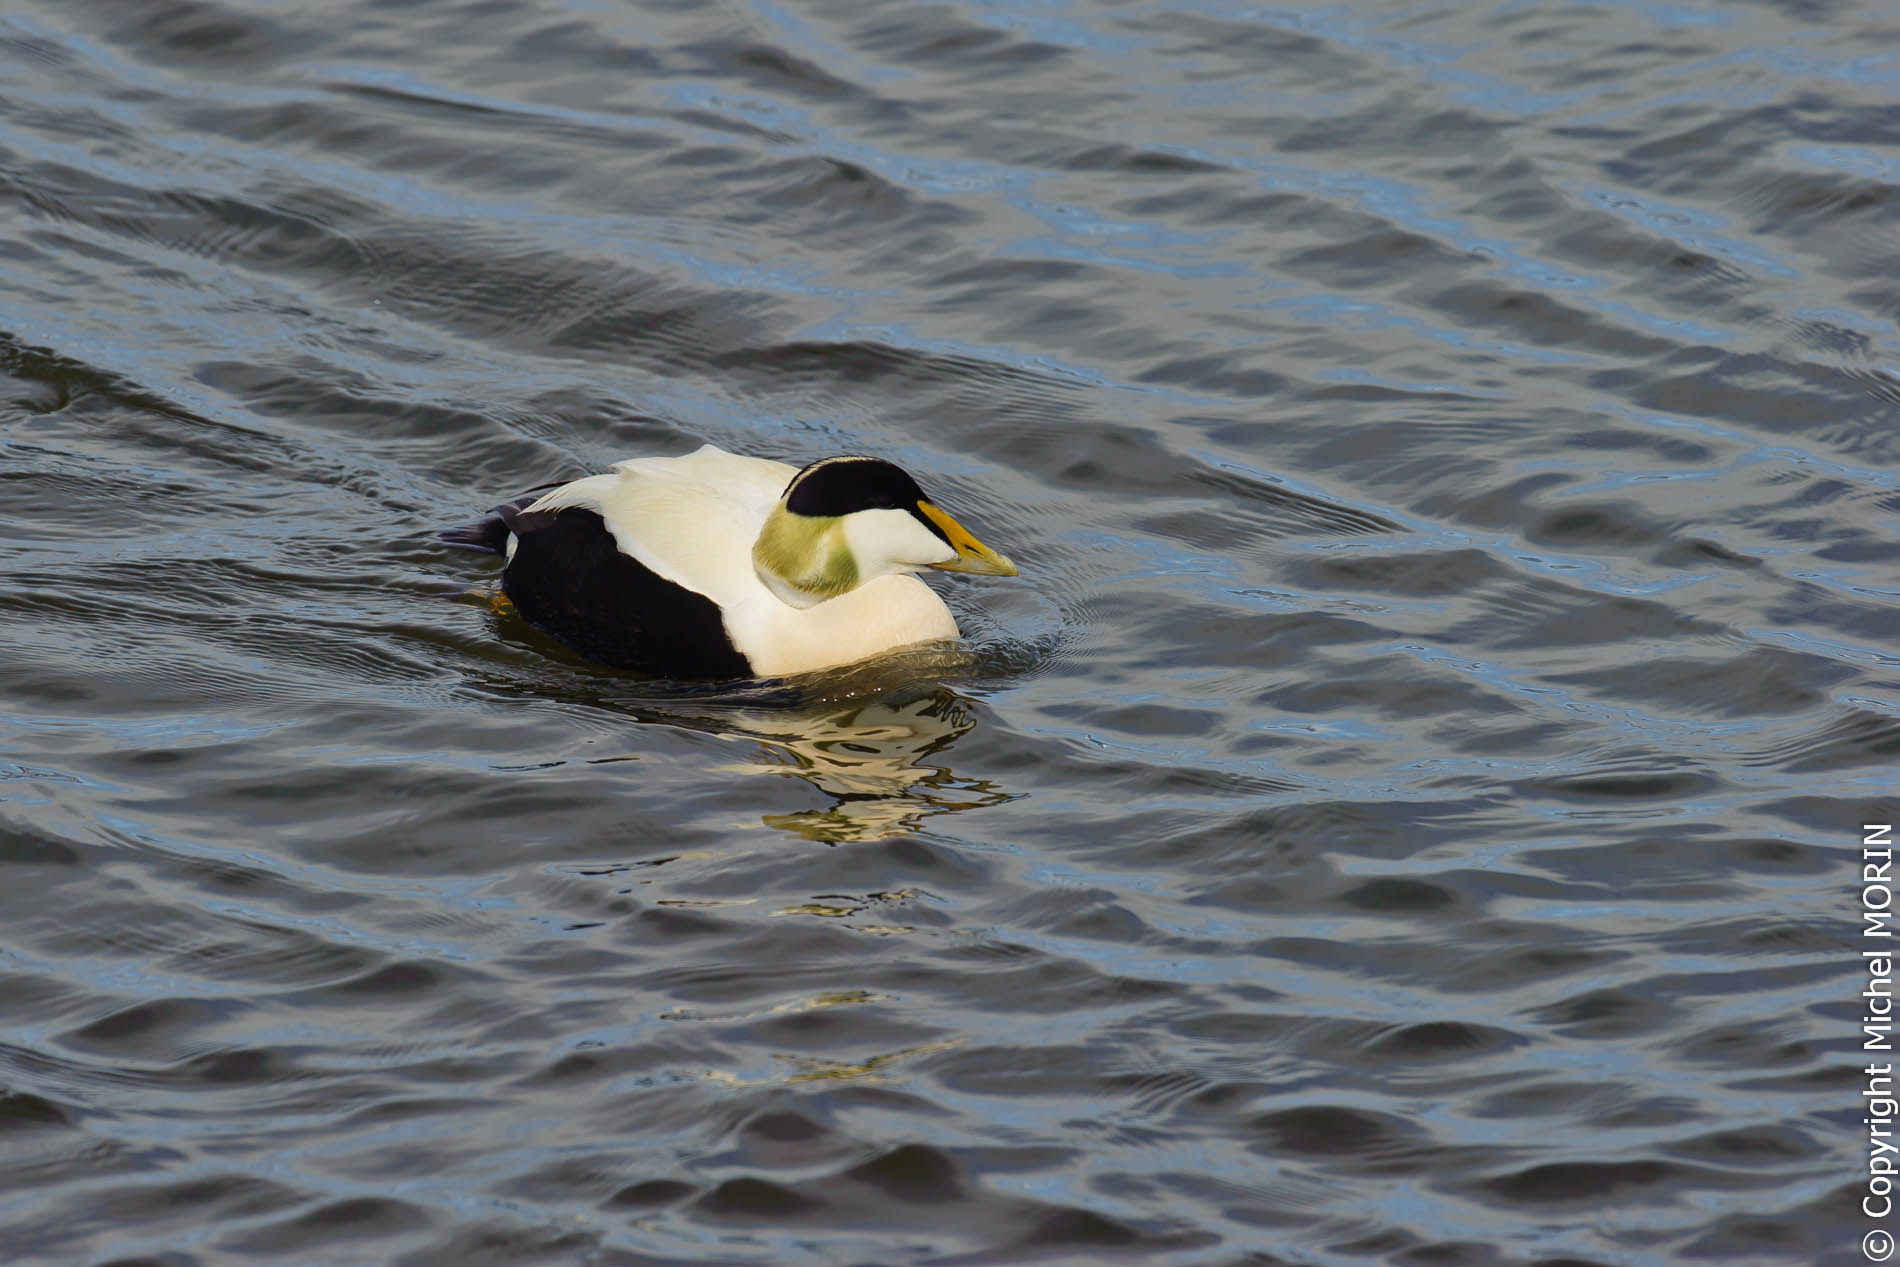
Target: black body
[[568, 578]]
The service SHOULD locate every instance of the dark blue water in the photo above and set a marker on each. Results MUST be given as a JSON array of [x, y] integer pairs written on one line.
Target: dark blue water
[[1408, 811]]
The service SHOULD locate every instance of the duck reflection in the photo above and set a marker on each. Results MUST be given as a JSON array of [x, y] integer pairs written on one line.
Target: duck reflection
[[874, 760], [872, 739]]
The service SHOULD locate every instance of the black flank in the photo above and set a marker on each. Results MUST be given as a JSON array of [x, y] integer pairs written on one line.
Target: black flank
[[569, 579]]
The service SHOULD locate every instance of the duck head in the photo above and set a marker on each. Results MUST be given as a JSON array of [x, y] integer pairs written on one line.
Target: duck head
[[847, 520]]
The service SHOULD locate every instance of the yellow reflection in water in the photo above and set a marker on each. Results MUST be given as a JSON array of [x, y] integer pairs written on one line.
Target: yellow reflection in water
[[807, 1069], [874, 758], [873, 738], [811, 1070]]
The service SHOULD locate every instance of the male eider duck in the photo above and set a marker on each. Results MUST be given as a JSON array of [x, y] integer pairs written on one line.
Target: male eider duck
[[714, 565]]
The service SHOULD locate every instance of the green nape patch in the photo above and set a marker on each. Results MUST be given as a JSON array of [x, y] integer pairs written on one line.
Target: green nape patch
[[807, 552]]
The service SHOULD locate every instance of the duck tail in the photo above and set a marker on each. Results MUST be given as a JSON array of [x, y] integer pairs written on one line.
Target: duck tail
[[490, 536]]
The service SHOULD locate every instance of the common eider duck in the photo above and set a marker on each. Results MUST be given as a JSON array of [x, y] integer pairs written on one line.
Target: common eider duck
[[719, 566]]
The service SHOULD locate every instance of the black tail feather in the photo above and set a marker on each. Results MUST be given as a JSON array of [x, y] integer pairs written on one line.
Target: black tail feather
[[490, 536]]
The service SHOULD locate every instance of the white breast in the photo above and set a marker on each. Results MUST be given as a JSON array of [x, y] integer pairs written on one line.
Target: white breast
[[878, 616]]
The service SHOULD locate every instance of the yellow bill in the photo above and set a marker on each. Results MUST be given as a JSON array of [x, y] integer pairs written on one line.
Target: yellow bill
[[972, 555]]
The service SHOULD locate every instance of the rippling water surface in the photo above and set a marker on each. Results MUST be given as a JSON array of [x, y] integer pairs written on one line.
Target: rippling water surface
[[1407, 812]]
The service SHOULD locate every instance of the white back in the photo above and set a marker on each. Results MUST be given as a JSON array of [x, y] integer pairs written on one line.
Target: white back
[[691, 519]]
